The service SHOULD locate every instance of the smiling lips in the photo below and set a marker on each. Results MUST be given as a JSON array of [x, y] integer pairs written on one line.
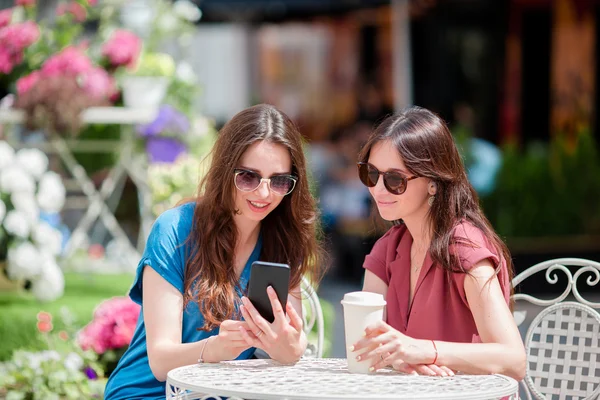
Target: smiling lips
[[381, 203], [258, 206]]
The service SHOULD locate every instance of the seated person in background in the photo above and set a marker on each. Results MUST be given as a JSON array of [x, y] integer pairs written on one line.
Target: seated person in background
[[255, 203], [444, 272]]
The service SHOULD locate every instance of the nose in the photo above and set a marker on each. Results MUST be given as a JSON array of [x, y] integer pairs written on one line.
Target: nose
[[263, 189], [379, 187]]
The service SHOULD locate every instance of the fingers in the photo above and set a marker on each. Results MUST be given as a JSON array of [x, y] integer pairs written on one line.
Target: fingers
[[257, 324], [381, 360], [374, 341], [295, 320], [275, 304], [231, 325], [251, 341], [404, 367], [230, 332], [377, 328], [428, 370], [448, 371]]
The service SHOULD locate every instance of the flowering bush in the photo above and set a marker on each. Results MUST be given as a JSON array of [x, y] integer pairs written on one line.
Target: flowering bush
[[28, 244], [64, 371], [50, 64], [110, 331], [171, 183]]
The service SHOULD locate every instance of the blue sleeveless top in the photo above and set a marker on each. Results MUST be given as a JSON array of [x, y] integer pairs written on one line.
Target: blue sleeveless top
[[166, 253]]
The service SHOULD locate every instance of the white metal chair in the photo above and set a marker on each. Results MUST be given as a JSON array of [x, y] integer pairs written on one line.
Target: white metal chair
[[563, 340], [312, 313]]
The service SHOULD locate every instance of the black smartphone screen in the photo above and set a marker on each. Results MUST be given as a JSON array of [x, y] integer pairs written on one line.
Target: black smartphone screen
[[262, 275]]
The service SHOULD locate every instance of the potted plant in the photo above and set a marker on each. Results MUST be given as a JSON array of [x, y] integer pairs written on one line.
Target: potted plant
[[146, 86]]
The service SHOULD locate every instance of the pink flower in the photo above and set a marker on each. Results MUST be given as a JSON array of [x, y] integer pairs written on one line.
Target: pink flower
[[99, 84], [5, 17], [25, 83], [25, 3], [6, 62], [18, 37], [113, 325], [70, 61], [123, 48], [75, 9]]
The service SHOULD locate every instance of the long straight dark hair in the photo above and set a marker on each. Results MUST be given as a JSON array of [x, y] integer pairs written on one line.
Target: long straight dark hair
[[427, 148], [289, 232]]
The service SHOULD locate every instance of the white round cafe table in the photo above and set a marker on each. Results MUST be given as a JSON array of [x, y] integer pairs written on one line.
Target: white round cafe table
[[325, 379]]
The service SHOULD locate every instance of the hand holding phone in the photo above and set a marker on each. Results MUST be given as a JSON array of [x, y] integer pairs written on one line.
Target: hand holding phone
[[262, 275]]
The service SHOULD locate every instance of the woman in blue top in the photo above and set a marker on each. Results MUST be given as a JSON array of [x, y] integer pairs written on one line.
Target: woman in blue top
[[254, 203]]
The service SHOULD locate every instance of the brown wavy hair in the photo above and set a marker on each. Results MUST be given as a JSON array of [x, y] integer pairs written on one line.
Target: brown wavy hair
[[289, 232], [427, 148]]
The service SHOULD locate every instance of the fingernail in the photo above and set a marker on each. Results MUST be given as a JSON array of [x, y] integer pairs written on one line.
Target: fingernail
[[414, 373], [364, 334], [371, 369], [351, 348], [358, 358]]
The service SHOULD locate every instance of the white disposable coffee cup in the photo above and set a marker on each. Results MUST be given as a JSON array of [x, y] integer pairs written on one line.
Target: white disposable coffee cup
[[361, 309]]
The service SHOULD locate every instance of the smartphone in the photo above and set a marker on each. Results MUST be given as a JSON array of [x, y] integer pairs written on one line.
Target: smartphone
[[262, 275]]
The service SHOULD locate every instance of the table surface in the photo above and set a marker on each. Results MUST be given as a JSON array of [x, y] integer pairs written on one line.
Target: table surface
[[328, 378]]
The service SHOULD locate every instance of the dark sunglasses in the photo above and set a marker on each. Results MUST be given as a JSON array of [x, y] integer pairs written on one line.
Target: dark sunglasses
[[249, 181], [394, 181]]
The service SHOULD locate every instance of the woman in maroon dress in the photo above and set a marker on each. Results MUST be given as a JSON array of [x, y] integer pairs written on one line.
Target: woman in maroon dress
[[444, 272]]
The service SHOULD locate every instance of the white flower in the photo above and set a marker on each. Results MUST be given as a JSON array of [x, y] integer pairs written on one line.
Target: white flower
[[48, 239], [185, 73], [201, 126], [50, 284], [25, 202], [2, 210], [73, 362], [13, 179], [51, 193], [17, 223], [167, 22], [23, 261], [185, 9], [7, 154], [33, 161]]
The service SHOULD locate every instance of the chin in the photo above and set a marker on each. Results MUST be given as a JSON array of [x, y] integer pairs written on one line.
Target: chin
[[389, 216]]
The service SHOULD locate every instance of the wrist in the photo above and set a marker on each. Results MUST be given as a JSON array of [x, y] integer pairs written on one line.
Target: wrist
[[211, 347], [429, 352]]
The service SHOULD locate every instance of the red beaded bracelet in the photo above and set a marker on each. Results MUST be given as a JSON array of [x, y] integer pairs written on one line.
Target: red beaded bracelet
[[436, 352]]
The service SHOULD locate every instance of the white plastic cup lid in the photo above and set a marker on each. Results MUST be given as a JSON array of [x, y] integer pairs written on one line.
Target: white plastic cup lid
[[364, 299]]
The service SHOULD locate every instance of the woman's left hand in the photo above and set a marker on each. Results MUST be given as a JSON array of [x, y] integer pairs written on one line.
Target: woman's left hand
[[284, 341], [386, 346]]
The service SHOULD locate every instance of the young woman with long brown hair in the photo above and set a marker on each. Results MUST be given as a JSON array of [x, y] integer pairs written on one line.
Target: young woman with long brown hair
[[254, 204], [444, 272]]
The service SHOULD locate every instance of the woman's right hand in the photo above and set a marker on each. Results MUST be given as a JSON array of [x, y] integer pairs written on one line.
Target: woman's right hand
[[423, 369], [229, 343]]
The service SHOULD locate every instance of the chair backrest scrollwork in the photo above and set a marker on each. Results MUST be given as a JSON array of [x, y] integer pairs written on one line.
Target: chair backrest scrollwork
[[312, 314], [563, 340]]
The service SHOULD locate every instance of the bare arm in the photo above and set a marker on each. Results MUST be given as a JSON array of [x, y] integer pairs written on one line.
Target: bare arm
[[163, 317], [502, 349], [375, 284]]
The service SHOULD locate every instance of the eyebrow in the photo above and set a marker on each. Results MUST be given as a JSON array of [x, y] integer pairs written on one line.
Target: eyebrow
[[260, 173]]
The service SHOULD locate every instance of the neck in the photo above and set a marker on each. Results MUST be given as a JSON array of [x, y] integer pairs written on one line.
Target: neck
[[247, 230], [420, 229]]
